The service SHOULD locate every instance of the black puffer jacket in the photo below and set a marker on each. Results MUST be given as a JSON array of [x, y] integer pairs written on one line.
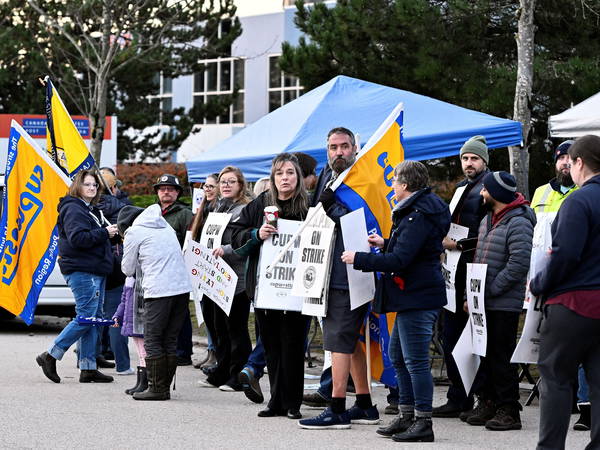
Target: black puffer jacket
[[83, 244], [505, 246]]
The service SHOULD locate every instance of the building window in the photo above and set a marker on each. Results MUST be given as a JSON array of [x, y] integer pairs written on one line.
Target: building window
[[163, 95], [221, 77], [283, 88]]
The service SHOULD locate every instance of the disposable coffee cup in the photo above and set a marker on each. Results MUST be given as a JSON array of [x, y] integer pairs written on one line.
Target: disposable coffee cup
[[271, 215]]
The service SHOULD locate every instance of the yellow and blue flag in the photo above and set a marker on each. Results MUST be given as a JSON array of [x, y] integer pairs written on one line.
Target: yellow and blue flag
[[28, 231], [368, 184], [64, 142]]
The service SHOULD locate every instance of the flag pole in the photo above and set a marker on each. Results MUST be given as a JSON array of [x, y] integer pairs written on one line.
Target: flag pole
[[368, 351]]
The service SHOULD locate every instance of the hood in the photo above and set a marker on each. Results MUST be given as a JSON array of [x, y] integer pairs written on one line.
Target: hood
[[151, 217], [67, 200], [518, 207], [126, 217]]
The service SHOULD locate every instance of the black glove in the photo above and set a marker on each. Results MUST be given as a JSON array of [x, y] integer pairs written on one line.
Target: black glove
[[327, 198]]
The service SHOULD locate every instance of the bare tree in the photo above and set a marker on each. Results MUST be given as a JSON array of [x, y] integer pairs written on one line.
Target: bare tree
[[519, 156], [86, 43]]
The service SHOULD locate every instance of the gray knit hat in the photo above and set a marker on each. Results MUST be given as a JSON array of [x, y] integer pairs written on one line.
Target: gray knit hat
[[478, 146]]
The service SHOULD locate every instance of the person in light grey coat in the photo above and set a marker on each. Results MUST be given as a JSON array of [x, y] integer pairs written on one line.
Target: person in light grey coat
[[504, 244], [151, 243]]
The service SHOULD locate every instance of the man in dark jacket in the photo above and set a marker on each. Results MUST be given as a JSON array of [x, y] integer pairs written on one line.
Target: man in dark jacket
[[468, 212], [341, 326], [504, 244], [179, 216]]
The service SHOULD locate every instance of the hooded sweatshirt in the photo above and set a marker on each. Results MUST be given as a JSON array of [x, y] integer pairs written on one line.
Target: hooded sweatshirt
[[152, 243], [83, 244]]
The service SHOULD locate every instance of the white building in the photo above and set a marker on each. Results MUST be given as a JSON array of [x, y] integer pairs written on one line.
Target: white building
[[252, 67]]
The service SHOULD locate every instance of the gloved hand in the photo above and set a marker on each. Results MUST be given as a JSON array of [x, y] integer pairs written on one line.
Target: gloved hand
[[327, 198]]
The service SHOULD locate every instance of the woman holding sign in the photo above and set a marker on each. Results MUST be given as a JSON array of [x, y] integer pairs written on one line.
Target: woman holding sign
[[413, 287], [232, 340], [282, 332]]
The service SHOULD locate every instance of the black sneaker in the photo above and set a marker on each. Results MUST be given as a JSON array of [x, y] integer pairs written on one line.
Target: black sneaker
[[584, 423], [250, 385], [484, 411], [447, 410], [421, 430], [398, 425], [315, 400], [506, 418], [94, 376]]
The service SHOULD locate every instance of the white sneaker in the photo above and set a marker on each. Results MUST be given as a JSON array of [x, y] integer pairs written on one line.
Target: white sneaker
[[130, 371], [205, 384], [226, 388]]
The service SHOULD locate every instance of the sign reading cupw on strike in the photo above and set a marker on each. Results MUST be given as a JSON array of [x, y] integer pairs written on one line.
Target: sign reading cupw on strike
[[210, 275]]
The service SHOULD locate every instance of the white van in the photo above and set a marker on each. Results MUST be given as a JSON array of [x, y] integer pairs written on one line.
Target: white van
[[56, 298]]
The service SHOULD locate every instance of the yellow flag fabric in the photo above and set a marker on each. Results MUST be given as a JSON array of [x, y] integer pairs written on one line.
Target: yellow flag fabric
[[64, 143], [29, 243]]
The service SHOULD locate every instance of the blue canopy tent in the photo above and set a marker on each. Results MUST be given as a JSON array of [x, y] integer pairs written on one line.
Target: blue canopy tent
[[432, 128]]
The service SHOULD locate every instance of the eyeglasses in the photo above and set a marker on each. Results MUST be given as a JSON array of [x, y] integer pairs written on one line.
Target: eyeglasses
[[228, 182], [208, 187], [167, 188], [90, 185]]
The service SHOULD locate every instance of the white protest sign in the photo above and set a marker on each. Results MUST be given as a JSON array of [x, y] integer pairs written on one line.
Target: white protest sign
[[274, 289], [541, 243], [354, 232], [450, 263], [528, 348], [466, 361], [197, 196], [476, 300], [212, 276], [456, 198], [315, 243], [213, 230]]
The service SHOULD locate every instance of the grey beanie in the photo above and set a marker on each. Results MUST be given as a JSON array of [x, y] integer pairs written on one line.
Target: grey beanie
[[126, 217], [478, 146]]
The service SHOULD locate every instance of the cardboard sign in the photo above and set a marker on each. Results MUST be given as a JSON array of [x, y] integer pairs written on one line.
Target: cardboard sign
[[450, 264], [476, 300], [466, 362], [274, 289], [213, 230], [211, 275], [354, 232]]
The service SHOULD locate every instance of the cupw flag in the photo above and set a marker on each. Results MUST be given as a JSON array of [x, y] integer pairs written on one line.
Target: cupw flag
[[368, 184]]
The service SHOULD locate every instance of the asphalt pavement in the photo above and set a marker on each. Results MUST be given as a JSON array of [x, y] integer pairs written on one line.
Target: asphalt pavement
[[38, 414]]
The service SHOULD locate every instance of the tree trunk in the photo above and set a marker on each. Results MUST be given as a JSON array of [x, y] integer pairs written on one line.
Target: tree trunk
[[98, 118], [519, 156]]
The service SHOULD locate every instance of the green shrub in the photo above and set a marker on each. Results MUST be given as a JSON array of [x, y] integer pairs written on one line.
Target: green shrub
[[144, 201]]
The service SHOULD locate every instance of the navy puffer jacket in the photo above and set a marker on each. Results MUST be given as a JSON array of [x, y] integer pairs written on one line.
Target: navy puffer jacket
[[83, 244], [410, 262], [505, 246]]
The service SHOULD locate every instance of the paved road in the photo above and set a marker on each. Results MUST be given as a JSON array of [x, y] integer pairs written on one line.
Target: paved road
[[36, 413]]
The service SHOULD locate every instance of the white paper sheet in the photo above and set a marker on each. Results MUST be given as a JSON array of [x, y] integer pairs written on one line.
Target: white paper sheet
[[466, 361], [450, 263]]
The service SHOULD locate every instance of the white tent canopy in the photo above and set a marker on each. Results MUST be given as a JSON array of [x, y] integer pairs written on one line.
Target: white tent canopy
[[581, 119]]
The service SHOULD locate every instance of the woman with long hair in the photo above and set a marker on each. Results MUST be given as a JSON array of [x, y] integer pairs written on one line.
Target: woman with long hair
[[85, 259], [230, 333], [282, 332]]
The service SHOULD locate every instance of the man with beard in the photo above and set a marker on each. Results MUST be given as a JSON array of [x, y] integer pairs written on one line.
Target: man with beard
[[468, 212], [504, 244], [341, 326]]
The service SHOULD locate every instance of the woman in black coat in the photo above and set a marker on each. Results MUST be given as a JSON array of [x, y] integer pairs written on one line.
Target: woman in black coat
[[282, 332], [411, 284]]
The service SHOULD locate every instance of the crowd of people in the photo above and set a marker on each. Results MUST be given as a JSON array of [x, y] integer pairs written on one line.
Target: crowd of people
[[125, 264]]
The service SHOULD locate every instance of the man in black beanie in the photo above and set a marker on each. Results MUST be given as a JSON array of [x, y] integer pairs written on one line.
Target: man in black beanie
[[504, 244]]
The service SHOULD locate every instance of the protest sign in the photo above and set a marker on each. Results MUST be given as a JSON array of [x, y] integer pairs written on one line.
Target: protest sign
[[213, 230], [466, 362], [315, 256], [274, 288], [197, 197], [450, 263], [528, 348], [456, 198], [212, 275], [354, 232], [476, 300]]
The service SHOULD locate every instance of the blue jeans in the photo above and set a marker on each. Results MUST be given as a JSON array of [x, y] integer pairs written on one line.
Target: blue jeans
[[118, 342], [88, 290], [256, 360], [583, 393], [409, 352]]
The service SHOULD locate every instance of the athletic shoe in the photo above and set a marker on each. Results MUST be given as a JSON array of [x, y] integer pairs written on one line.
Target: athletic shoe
[[250, 385], [369, 416], [230, 388], [391, 410], [327, 420], [315, 400], [130, 371], [206, 384]]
